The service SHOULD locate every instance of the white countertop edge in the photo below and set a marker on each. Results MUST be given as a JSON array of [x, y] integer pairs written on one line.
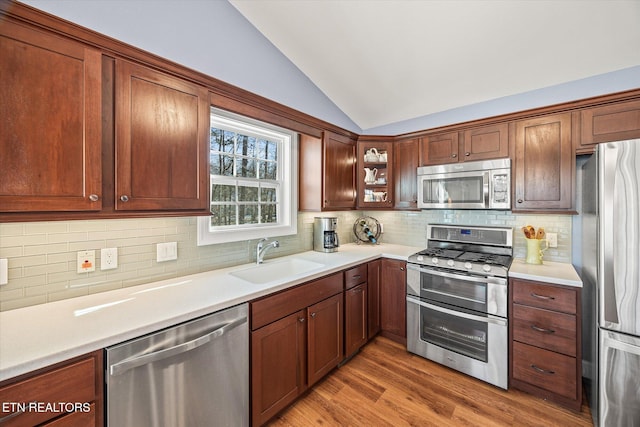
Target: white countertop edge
[[557, 273], [17, 327]]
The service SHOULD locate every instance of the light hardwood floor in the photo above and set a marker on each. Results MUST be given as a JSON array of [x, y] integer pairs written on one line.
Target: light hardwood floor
[[383, 385]]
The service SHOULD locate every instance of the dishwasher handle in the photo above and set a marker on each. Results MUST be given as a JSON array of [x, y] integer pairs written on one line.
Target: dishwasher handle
[[134, 362]]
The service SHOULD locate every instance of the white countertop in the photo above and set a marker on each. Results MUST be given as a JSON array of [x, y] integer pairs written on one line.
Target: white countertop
[[551, 272], [38, 336]]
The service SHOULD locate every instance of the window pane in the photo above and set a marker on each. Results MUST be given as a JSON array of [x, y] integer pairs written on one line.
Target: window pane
[[215, 142], [268, 195], [247, 194], [246, 145], [223, 193], [267, 149], [227, 144], [223, 215], [246, 167], [268, 214], [268, 170], [221, 164], [248, 214]]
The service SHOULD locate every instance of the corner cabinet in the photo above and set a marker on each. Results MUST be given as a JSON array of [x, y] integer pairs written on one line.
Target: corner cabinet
[[327, 172], [50, 104], [544, 330], [544, 166], [375, 174], [162, 128]]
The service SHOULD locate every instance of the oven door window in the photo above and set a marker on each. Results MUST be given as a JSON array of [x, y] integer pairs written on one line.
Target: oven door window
[[463, 189], [465, 336], [454, 291]]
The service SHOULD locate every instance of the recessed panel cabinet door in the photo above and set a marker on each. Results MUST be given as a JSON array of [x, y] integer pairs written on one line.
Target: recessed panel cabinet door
[[50, 137], [339, 158], [325, 344], [162, 124]]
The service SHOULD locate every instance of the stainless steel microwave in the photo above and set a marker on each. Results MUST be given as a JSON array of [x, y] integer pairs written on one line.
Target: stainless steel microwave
[[484, 184]]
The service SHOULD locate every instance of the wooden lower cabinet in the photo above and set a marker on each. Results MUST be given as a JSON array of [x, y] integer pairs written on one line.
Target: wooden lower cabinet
[[393, 304], [374, 273], [355, 318], [545, 348], [70, 394], [296, 339]]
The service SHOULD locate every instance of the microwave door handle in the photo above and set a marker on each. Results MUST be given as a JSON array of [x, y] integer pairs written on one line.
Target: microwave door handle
[[485, 189], [456, 313]]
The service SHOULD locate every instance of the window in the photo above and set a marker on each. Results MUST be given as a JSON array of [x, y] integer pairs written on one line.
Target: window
[[253, 180]]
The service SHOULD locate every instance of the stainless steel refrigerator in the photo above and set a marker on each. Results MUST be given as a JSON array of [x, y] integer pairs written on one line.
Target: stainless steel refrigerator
[[611, 280]]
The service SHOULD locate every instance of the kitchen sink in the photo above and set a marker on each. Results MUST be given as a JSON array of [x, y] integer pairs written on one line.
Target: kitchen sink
[[273, 270]]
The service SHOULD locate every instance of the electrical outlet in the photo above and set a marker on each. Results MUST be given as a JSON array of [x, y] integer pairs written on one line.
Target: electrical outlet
[[86, 261], [166, 251], [552, 240], [108, 258]]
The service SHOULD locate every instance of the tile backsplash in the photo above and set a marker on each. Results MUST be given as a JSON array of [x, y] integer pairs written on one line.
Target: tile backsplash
[[42, 255]]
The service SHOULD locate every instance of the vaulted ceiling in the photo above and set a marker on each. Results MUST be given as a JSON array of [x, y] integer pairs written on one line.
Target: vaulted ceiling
[[385, 61]]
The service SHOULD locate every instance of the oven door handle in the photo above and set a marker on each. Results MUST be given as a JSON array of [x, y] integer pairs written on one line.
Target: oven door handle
[[496, 280], [495, 321]]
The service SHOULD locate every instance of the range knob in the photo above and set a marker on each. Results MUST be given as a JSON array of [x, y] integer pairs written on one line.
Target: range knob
[[434, 260], [451, 263], [420, 258], [486, 268], [468, 265]]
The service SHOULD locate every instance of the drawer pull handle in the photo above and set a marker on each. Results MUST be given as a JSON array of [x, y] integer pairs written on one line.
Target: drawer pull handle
[[357, 276], [533, 294], [539, 329], [542, 371]]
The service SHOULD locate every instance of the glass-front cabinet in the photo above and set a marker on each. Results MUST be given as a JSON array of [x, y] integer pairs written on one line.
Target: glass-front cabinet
[[375, 173]]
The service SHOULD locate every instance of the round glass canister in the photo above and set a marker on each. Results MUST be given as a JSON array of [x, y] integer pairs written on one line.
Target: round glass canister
[[535, 251]]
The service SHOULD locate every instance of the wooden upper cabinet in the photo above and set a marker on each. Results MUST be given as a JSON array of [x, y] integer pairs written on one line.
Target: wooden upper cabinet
[[486, 142], [327, 172], [406, 161], [50, 107], [544, 163], [439, 149], [613, 122], [375, 173], [162, 127]]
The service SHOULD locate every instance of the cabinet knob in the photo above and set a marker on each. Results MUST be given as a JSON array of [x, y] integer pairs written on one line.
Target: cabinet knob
[[124, 198], [401, 268], [520, 200], [313, 314], [94, 197], [454, 155], [467, 154], [301, 319]]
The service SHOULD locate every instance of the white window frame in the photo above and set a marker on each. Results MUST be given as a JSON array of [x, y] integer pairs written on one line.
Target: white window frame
[[287, 178]]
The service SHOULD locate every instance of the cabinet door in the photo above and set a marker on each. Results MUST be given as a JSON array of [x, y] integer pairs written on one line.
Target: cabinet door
[[277, 366], [406, 161], [613, 122], [375, 174], [162, 124], [355, 318], [544, 163], [374, 271], [393, 304], [487, 142], [339, 190], [324, 340], [50, 107], [440, 149]]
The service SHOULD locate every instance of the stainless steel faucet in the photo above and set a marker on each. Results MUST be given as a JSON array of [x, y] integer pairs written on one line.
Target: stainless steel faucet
[[261, 249]]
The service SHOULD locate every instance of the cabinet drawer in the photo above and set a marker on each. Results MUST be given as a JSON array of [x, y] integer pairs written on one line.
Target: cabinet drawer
[[72, 384], [355, 276], [545, 296], [545, 369], [274, 307], [546, 329]]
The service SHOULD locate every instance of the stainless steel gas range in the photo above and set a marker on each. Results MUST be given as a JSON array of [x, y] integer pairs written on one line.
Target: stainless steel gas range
[[457, 300]]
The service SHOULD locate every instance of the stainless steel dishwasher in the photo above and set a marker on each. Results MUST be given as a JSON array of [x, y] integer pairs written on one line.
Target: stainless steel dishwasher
[[194, 374]]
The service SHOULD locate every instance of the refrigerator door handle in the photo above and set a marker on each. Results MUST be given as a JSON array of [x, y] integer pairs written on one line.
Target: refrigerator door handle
[[620, 345], [607, 178]]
